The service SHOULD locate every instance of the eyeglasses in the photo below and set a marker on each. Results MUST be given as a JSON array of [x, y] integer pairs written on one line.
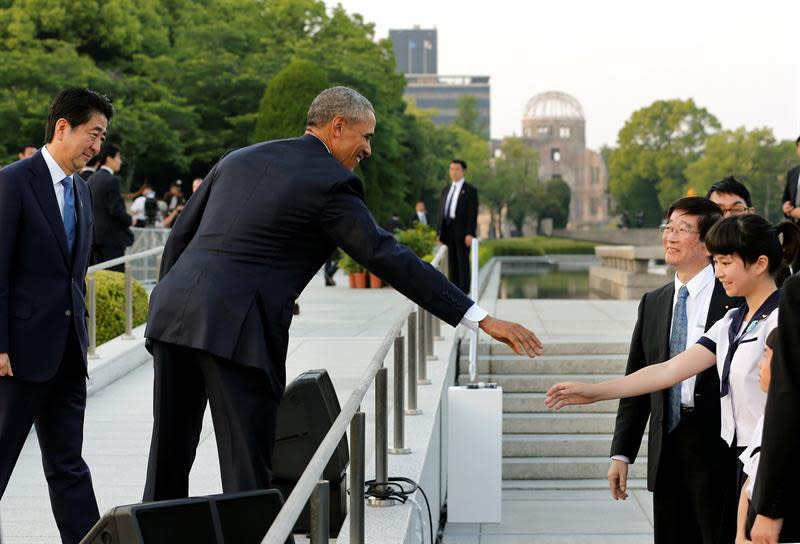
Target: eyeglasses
[[671, 229], [733, 209]]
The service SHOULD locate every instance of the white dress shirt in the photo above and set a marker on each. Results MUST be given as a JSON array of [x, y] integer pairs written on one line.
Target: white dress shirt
[[57, 175], [700, 288], [751, 455], [452, 198], [422, 218], [745, 401]]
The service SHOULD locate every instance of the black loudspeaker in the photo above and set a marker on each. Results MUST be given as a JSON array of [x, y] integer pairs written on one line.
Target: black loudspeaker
[[236, 518], [306, 413]]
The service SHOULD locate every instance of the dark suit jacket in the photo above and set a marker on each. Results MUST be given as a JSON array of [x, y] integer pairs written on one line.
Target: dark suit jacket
[[41, 290], [248, 242], [112, 224], [778, 482], [414, 219], [790, 189], [466, 220], [650, 345]]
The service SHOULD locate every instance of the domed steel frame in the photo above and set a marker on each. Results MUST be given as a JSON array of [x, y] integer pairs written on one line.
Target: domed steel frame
[[553, 105]]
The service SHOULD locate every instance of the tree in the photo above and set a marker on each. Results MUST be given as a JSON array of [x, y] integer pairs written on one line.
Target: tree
[[555, 202], [646, 170], [468, 117], [516, 183], [753, 157], [283, 109]]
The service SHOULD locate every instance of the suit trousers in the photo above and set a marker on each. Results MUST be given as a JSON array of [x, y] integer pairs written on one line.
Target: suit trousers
[[457, 259], [106, 253], [243, 408], [695, 497], [56, 409]]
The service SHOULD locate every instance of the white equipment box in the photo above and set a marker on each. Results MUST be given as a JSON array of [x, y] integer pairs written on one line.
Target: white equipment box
[[474, 455]]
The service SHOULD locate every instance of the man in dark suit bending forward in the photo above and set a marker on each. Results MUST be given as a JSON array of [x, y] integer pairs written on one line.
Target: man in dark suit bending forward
[[219, 318]]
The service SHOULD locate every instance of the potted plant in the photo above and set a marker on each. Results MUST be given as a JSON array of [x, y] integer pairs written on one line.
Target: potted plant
[[356, 273], [374, 281]]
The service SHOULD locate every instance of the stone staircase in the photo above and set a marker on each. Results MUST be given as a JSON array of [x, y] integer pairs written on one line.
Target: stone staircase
[[542, 448]]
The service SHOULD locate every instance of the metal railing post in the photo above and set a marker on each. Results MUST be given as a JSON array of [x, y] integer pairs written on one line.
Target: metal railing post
[[429, 318], [412, 409], [128, 302], [157, 274], [319, 512], [381, 437], [399, 399], [91, 286], [422, 359], [357, 454]]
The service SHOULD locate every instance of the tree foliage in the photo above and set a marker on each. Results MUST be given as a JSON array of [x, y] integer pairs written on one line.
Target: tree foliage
[[753, 157], [646, 170], [283, 109]]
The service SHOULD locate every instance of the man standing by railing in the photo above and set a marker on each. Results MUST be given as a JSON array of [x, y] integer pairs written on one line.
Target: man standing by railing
[[112, 224], [46, 224], [219, 319]]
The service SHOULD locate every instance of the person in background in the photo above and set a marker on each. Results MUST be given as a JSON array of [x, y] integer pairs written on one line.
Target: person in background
[[26, 151], [90, 168], [731, 196], [420, 214], [112, 224], [196, 184], [791, 195], [458, 221], [394, 223]]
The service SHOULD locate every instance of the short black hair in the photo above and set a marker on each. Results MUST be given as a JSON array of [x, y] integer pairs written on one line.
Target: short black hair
[[708, 212], [732, 186], [109, 150], [749, 236], [797, 141], [22, 148], [76, 105], [771, 337], [459, 161]]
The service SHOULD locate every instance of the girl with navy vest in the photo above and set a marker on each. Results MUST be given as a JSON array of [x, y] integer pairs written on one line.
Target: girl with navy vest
[[751, 258]]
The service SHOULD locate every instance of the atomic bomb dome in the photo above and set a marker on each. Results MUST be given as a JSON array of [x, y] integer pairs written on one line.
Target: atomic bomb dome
[[553, 105]]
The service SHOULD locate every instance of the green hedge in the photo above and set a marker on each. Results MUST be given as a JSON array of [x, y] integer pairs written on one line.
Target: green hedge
[[532, 246], [110, 287]]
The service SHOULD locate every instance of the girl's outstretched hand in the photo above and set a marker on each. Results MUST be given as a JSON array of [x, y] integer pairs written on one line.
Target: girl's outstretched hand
[[567, 393]]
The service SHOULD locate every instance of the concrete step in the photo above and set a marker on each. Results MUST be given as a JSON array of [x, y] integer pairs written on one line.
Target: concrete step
[[559, 445], [534, 383], [565, 468], [534, 403], [552, 348], [522, 485], [550, 364], [557, 422]]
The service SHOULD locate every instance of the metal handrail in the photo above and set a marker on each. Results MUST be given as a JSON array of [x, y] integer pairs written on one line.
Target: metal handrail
[[92, 292], [282, 527]]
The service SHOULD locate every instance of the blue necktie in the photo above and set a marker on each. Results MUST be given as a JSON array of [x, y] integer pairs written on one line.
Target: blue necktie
[[677, 343], [69, 213]]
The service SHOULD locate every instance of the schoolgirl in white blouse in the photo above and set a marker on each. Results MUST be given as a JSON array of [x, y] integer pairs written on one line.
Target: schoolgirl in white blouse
[[749, 256]]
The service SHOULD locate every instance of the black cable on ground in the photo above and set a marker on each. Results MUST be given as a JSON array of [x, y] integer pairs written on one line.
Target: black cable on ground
[[394, 490]]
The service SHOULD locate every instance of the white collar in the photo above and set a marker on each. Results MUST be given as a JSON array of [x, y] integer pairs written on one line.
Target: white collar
[[56, 173], [107, 169], [323, 143], [458, 182], [698, 282]]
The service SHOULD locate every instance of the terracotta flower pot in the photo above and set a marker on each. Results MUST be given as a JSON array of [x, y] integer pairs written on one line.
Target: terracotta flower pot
[[351, 278], [374, 281], [360, 279]]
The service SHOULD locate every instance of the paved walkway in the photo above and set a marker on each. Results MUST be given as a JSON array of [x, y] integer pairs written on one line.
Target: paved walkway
[[338, 328]]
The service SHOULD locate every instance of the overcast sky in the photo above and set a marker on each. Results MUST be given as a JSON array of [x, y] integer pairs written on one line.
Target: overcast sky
[[739, 59]]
